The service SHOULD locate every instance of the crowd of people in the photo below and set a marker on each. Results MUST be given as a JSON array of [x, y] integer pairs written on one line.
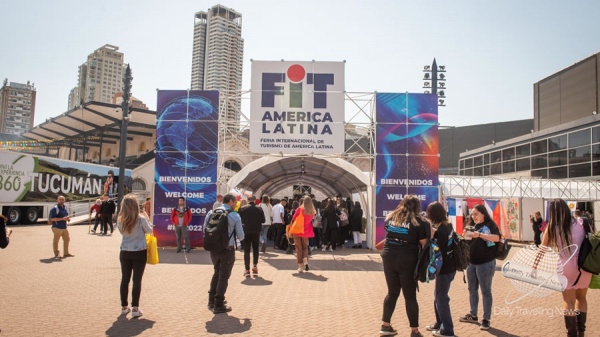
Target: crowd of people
[[327, 224], [407, 231]]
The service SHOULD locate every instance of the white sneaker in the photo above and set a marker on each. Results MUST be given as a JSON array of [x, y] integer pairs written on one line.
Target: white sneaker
[[331, 249], [136, 312], [324, 249], [125, 311]]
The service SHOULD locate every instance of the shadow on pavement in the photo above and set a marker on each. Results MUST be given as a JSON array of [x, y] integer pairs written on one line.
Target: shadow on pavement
[[256, 281], [338, 263], [50, 260], [310, 276], [195, 256], [496, 332], [129, 327], [224, 324]]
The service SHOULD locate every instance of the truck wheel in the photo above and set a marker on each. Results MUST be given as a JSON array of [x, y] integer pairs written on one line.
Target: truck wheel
[[32, 215], [14, 215]]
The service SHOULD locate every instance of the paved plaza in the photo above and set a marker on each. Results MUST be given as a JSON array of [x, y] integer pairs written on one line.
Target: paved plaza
[[342, 295]]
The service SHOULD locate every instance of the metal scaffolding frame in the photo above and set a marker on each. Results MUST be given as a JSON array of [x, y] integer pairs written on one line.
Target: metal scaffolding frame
[[359, 128], [498, 187]]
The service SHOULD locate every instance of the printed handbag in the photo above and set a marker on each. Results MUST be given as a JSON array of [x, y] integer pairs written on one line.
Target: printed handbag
[[152, 250], [297, 226]]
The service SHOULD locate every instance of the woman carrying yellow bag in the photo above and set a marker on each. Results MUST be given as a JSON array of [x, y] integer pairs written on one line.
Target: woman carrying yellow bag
[[152, 254], [302, 229], [133, 255]]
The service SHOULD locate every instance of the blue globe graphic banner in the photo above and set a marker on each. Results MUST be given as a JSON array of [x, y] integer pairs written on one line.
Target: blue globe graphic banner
[[407, 148], [187, 142]]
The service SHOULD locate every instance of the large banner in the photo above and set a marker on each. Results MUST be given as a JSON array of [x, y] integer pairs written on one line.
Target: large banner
[[26, 178], [297, 107], [407, 158], [186, 159]]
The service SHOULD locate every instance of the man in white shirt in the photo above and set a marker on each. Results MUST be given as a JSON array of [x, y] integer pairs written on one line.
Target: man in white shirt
[[279, 223]]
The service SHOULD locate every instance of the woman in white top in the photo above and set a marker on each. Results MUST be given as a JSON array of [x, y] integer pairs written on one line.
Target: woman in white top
[[265, 205], [133, 227]]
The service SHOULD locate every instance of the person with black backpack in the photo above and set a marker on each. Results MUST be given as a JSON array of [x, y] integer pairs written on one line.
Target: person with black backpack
[[443, 234], [405, 232], [484, 236], [562, 232], [252, 219], [221, 228]]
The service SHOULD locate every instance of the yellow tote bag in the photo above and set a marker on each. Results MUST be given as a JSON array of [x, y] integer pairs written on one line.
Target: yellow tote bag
[[297, 226], [152, 250]]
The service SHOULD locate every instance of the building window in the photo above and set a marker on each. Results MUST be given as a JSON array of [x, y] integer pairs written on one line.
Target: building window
[[508, 166], [486, 158], [138, 185], [596, 168], [583, 170], [539, 147], [477, 161], [233, 165], [579, 138], [469, 163], [540, 174], [496, 168], [523, 164], [508, 154], [557, 143], [596, 135], [523, 151], [580, 155], [478, 171], [557, 172], [539, 162], [557, 158], [496, 157]]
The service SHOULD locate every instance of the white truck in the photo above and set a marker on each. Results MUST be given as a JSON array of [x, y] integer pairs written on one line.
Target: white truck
[[30, 185]]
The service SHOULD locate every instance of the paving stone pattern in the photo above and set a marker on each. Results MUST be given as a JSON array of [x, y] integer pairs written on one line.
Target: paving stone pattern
[[342, 295]]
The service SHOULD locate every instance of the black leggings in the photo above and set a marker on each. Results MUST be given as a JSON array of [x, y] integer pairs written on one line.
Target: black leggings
[[399, 270], [136, 262]]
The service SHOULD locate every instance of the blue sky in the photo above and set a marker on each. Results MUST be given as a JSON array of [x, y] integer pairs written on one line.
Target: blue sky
[[493, 50]]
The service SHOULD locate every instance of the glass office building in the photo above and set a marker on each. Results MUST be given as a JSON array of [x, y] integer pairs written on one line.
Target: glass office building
[[570, 150]]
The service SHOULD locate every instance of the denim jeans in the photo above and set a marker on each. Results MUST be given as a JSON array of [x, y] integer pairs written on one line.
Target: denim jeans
[[481, 275], [179, 231], [443, 316], [263, 233]]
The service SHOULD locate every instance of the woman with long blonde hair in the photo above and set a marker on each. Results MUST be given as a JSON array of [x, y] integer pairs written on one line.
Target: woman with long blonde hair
[[301, 240], [133, 226], [405, 232]]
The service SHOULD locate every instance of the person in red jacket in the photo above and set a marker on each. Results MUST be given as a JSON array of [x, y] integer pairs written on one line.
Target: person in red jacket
[[96, 207], [181, 216]]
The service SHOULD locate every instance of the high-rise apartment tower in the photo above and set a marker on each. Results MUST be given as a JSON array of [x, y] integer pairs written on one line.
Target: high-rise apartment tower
[[100, 77], [218, 57]]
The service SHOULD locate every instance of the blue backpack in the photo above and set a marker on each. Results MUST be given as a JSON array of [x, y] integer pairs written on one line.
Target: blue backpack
[[430, 262]]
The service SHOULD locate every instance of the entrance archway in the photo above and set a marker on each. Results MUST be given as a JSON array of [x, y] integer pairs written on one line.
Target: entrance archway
[[332, 176]]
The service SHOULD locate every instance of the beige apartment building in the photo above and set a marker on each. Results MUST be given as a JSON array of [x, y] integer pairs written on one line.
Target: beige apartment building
[[17, 107], [100, 77]]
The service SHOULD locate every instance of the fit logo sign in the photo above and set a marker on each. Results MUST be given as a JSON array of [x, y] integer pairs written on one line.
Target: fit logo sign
[[297, 107]]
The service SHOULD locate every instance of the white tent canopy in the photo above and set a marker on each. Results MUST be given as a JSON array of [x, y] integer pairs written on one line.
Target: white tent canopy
[[271, 174]]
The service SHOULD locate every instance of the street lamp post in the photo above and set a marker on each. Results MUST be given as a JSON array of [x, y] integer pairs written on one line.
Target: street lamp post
[[127, 78], [435, 80]]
